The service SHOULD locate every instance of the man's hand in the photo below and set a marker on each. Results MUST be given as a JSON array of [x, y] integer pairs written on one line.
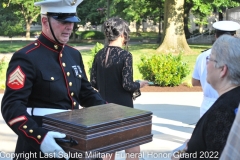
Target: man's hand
[[49, 145]]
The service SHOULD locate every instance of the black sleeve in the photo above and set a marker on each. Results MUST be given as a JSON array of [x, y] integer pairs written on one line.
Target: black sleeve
[[127, 74], [93, 74], [19, 81]]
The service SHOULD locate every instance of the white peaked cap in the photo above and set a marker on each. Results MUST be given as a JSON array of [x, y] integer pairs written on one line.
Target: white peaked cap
[[58, 6], [226, 25]]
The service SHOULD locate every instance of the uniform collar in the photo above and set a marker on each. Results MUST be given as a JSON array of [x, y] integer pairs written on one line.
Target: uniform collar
[[50, 43]]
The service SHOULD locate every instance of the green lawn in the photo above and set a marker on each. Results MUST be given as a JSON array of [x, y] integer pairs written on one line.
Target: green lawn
[[9, 47], [150, 49], [136, 50]]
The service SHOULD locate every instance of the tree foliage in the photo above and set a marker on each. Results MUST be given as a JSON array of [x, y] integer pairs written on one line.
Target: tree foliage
[[203, 8], [132, 10], [95, 14], [10, 25], [95, 11], [24, 10]]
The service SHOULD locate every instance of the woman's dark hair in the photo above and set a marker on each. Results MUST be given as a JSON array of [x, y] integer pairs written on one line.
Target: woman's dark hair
[[115, 27]]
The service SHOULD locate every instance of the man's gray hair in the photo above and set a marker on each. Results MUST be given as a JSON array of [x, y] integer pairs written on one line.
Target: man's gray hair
[[226, 50]]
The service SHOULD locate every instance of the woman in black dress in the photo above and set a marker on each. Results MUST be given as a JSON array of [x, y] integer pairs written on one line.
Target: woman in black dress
[[112, 71]]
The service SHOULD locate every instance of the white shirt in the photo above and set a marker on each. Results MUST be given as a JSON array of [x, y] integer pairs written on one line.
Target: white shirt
[[200, 73]]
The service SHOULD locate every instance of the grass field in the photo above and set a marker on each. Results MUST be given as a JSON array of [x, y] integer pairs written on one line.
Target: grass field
[[150, 49], [136, 50]]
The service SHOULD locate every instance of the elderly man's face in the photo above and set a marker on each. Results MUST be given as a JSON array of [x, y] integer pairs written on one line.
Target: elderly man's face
[[62, 30]]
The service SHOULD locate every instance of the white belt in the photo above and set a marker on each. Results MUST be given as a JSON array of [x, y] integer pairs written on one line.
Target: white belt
[[44, 111]]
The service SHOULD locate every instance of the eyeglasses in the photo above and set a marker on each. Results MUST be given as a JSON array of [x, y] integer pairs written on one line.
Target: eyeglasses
[[208, 58]]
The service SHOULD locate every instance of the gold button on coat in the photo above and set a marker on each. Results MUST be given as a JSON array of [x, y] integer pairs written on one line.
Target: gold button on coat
[[61, 55], [35, 44], [72, 94], [79, 76], [52, 78], [74, 103], [70, 83], [56, 46], [39, 137], [31, 131], [68, 74], [25, 127], [64, 65]]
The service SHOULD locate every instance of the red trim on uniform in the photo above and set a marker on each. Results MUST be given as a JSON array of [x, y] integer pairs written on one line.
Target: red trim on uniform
[[20, 128], [25, 46], [48, 47], [69, 95], [17, 119], [16, 79], [38, 45], [51, 40]]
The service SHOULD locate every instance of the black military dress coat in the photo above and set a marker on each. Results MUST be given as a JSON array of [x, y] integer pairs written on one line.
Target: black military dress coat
[[43, 74]]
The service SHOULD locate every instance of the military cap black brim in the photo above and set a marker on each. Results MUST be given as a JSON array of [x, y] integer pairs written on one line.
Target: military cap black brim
[[65, 17]]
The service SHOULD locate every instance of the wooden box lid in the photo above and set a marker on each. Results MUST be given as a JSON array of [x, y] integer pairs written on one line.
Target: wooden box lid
[[96, 116]]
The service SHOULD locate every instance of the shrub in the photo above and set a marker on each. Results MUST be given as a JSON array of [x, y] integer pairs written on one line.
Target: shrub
[[2, 64], [92, 35], [164, 70], [94, 51]]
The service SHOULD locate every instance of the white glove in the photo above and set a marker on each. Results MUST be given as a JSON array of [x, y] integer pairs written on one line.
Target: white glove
[[49, 145]]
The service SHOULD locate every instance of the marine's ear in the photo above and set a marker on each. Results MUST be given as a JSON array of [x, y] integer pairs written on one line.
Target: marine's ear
[[45, 21]]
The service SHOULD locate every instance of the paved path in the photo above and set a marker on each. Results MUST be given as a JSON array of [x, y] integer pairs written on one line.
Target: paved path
[[174, 117]]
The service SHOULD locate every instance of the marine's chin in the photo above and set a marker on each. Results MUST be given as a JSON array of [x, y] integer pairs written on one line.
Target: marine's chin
[[64, 40]]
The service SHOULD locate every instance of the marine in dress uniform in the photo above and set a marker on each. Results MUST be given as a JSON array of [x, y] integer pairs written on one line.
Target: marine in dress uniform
[[45, 77]]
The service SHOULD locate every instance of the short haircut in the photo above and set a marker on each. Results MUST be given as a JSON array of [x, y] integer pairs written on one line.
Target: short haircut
[[226, 50]]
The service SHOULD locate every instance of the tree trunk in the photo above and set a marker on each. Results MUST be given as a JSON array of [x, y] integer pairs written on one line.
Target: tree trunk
[[187, 8], [138, 26], [174, 40], [28, 29]]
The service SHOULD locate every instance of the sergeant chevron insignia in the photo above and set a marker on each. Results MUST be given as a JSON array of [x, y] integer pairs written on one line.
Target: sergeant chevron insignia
[[16, 79]]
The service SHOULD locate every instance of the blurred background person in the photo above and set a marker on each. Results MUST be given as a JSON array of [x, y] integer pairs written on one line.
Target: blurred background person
[[200, 70], [112, 70]]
